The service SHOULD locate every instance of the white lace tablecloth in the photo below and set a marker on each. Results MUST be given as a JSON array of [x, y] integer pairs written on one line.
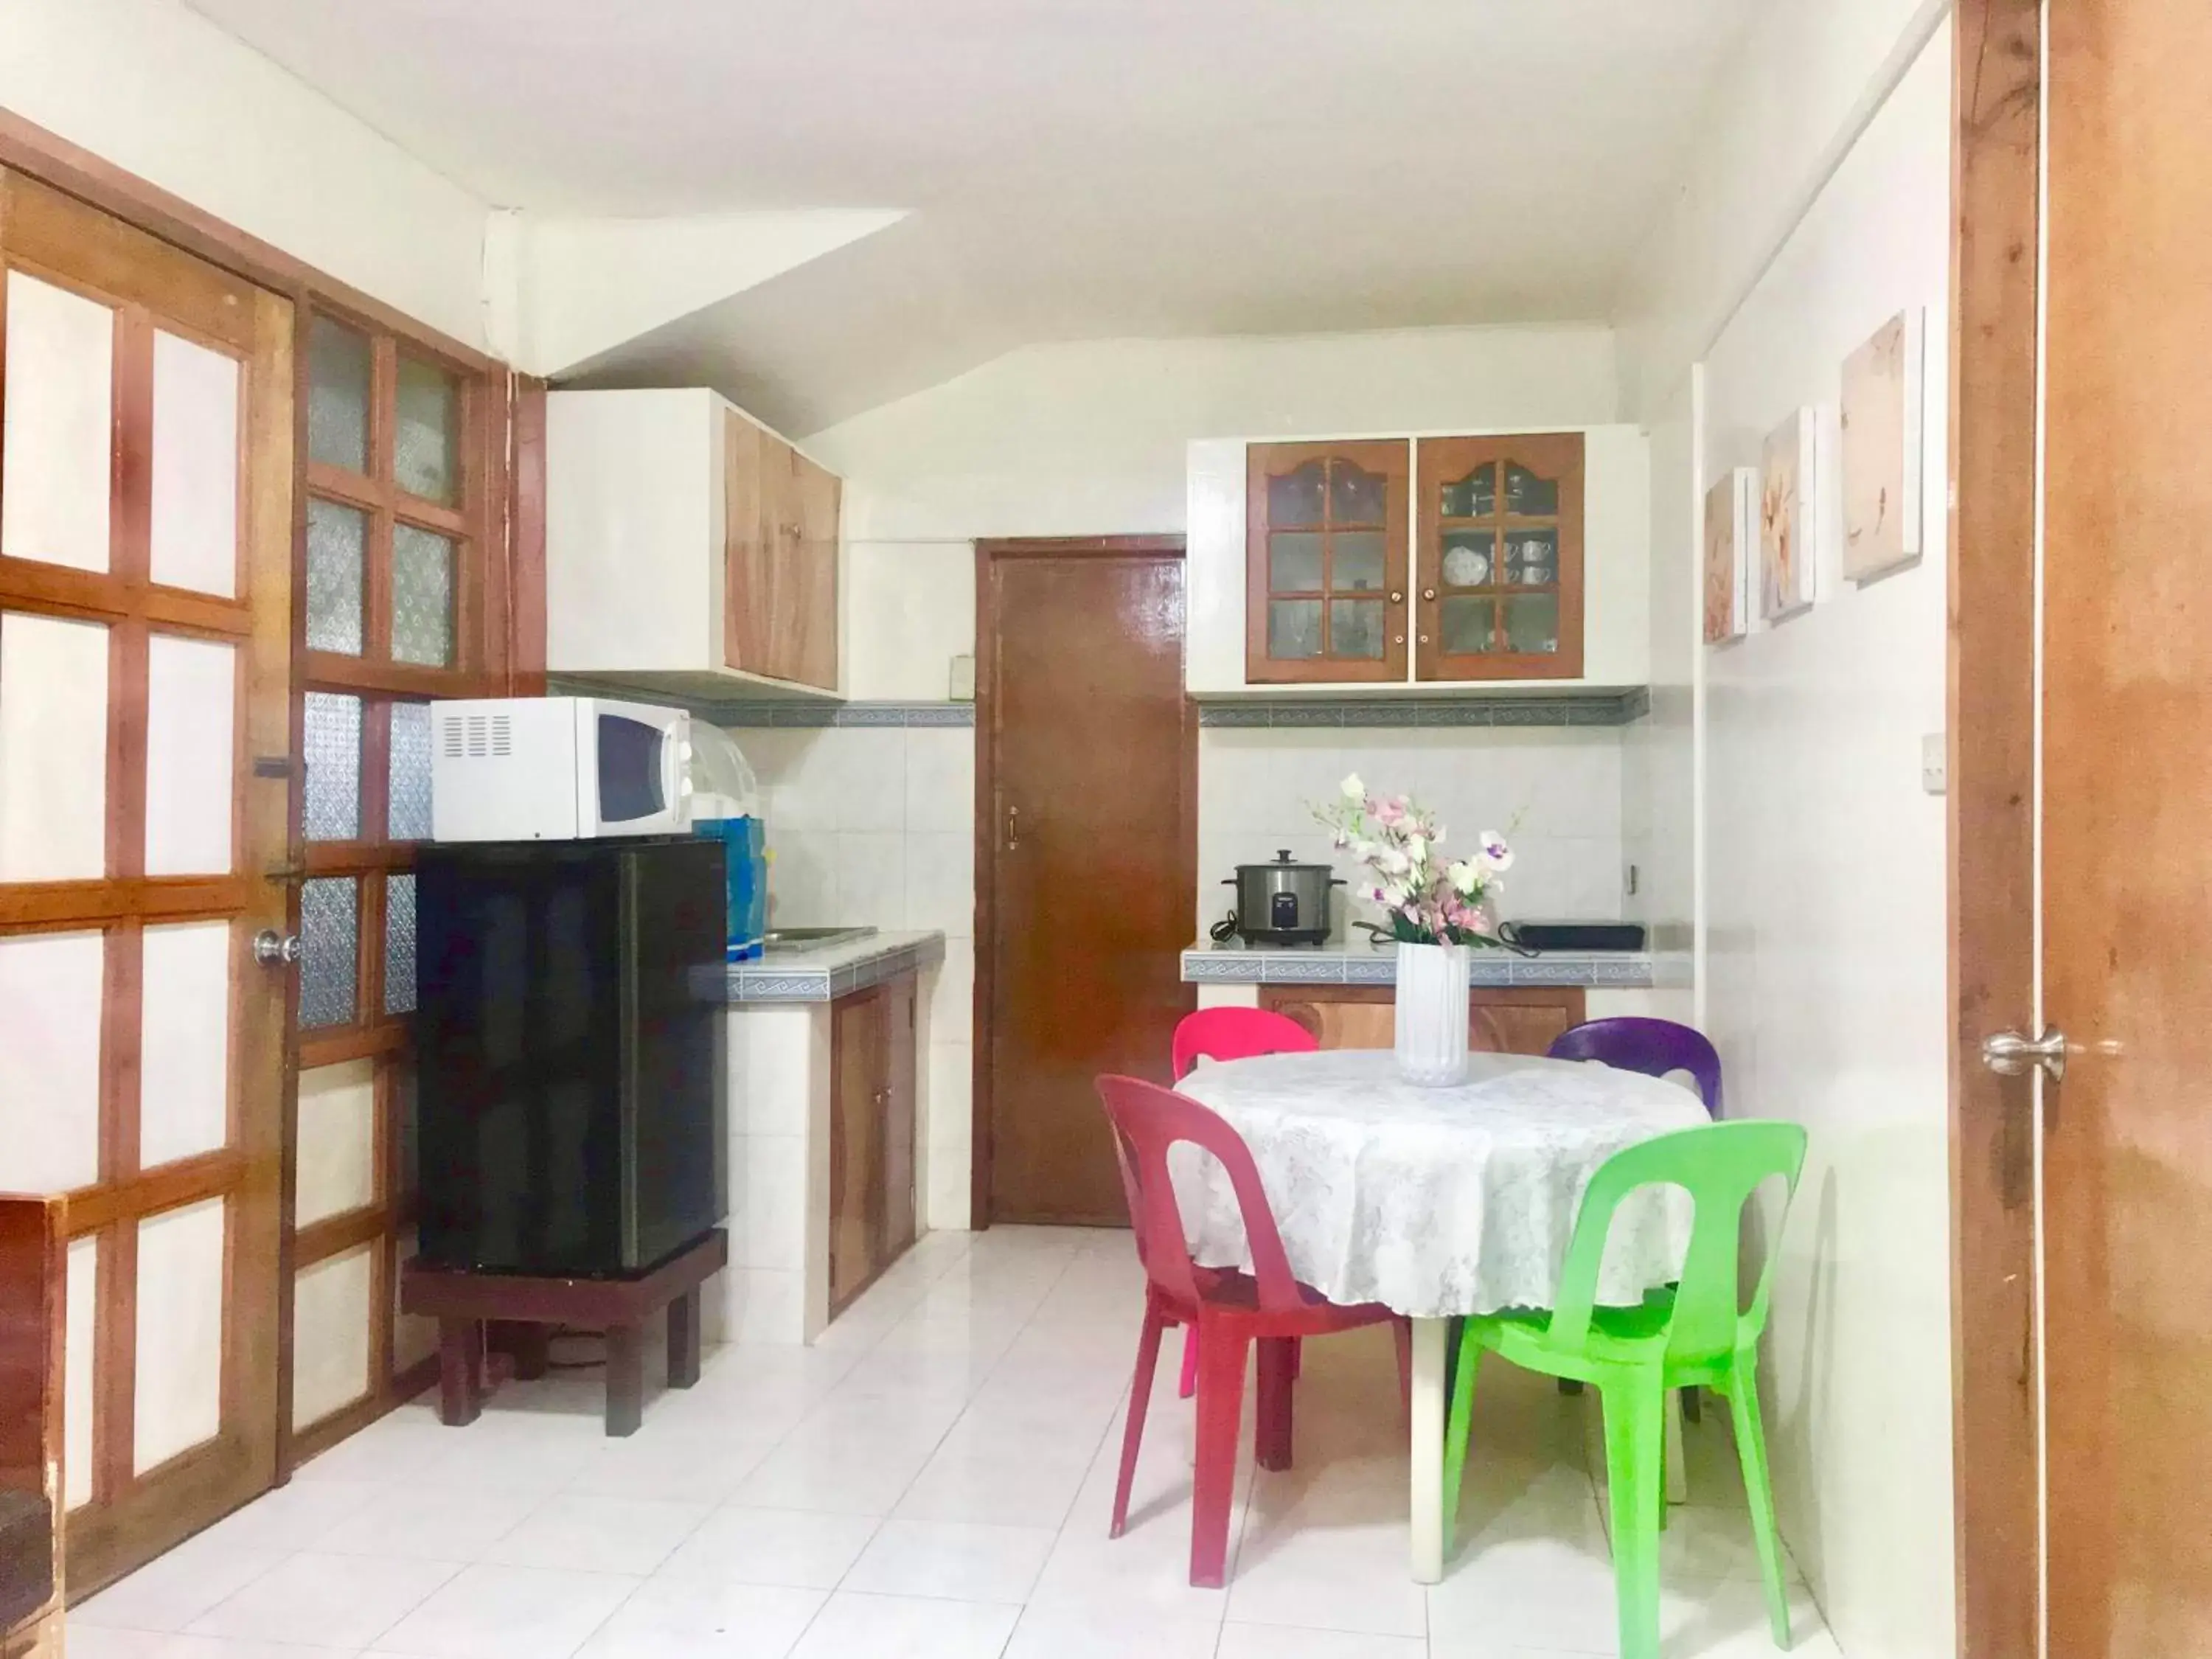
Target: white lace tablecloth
[[1436, 1201]]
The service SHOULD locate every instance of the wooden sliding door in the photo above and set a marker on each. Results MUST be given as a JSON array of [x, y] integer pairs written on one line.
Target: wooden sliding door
[[146, 456]]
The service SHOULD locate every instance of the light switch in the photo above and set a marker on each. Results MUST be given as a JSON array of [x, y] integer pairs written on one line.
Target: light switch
[[1935, 764]]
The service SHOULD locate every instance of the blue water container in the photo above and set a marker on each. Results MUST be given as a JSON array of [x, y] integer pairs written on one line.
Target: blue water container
[[724, 804]]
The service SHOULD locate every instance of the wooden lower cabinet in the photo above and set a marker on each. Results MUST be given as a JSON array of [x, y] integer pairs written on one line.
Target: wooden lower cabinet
[[1498, 1022], [871, 1135]]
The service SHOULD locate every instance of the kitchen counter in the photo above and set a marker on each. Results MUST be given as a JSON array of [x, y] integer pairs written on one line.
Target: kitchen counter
[[1347, 962], [824, 973]]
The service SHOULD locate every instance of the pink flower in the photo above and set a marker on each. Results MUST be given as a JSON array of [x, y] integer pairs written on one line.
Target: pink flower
[[1392, 812]]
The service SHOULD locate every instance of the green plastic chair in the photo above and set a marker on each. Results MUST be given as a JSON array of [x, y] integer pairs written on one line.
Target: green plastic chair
[[1692, 1333]]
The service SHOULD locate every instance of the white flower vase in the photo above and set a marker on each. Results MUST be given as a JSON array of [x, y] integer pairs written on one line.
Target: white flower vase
[[1432, 1014]]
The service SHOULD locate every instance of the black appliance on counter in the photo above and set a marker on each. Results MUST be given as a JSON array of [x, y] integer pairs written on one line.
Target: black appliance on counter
[[569, 1033]]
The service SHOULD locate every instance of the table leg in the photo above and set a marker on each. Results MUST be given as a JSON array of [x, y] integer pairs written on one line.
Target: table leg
[[625, 1379], [1430, 1348], [460, 1372], [683, 1339]]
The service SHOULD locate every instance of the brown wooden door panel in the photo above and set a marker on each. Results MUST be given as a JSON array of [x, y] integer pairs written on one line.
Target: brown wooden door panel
[[900, 1085], [1087, 858], [811, 617], [749, 550], [858, 1036], [1467, 529], [1498, 1022], [1322, 521]]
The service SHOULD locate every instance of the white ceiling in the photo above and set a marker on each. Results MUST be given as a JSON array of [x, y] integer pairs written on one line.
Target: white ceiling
[[1072, 167]]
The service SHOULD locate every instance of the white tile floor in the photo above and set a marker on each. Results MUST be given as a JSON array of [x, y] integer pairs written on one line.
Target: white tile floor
[[932, 1481]]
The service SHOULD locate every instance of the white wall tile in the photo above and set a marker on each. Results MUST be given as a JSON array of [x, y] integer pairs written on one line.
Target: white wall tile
[[941, 881], [952, 996], [863, 769], [763, 1304], [767, 1183], [947, 1156], [941, 779], [769, 1052], [871, 877]]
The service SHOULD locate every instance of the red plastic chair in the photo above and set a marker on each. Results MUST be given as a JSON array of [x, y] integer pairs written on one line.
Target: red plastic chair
[[1230, 1034], [1229, 1310]]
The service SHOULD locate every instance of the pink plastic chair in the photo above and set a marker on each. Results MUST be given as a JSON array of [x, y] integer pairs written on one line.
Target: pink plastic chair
[[1230, 1034], [1229, 1310]]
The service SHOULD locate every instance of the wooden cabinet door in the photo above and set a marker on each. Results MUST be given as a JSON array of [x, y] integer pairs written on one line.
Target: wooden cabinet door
[[857, 1079], [1498, 558], [899, 1101], [809, 619], [1325, 528], [1499, 1022], [750, 552]]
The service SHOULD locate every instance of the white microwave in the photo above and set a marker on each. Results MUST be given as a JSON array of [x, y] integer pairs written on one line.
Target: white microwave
[[558, 768]]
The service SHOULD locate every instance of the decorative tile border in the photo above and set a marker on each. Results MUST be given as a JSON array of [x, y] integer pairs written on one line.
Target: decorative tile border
[[1580, 709], [784, 981], [1228, 966], [821, 714]]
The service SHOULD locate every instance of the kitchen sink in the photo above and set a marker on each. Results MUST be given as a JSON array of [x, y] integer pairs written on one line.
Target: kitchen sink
[[812, 939]]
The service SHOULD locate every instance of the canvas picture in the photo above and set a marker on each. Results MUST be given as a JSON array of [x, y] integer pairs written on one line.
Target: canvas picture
[[1787, 560], [1881, 449], [1727, 555]]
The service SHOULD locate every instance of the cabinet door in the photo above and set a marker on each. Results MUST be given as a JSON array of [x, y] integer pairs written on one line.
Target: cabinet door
[[1325, 562], [899, 1101], [1499, 558], [811, 621], [1499, 1022], [750, 550], [857, 1031]]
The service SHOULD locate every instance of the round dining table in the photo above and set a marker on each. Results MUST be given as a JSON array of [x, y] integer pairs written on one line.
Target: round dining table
[[1436, 1202]]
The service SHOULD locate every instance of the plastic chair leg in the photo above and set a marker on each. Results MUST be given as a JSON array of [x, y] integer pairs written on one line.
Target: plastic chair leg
[[1635, 1460], [1140, 1396], [1189, 1386], [1278, 1368], [1751, 1447], [1221, 1355], [1457, 1427]]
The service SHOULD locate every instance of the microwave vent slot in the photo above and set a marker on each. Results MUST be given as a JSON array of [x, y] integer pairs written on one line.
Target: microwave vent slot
[[502, 735]]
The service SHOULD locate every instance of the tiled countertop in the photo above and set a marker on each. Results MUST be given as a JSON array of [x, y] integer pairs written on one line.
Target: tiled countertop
[[1238, 963], [832, 971]]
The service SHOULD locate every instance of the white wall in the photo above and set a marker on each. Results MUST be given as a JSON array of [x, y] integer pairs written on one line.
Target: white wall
[[1822, 877], [159, 90]]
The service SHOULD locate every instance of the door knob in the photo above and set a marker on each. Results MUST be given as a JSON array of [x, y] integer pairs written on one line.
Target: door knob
[[271, 948], [2009, 1053]]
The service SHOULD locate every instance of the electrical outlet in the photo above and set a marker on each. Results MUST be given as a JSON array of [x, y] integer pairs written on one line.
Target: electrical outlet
[[1935, 764]]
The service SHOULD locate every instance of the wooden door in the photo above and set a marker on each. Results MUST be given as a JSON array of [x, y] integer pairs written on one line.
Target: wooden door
[[145, 629], [1086, 858], [2127, 830], [860, 1027], [1498, 1022], [1325, 562], [1498, 558]]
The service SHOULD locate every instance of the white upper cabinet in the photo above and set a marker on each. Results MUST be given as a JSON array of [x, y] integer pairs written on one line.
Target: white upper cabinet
[[1420, 563], [688, 549]]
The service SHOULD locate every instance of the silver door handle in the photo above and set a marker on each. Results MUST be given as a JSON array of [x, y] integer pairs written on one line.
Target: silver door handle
[[1013, 827], [271, 948], [2009, 1053]]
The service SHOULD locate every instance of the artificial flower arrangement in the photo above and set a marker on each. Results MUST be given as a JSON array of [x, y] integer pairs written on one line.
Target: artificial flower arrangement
[[1425, 898]]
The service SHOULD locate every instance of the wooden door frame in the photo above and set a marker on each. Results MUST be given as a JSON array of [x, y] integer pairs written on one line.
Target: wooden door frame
[[989, 554], [1996, 1400]]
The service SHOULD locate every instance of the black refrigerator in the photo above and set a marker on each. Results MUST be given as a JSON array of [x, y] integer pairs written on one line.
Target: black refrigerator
[[571, 1053]]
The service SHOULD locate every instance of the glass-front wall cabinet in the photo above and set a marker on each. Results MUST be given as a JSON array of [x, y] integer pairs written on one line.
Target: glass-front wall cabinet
[[1326, 527], [1498, 557]]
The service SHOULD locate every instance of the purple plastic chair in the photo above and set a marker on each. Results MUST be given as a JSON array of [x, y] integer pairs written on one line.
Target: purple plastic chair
[[1653, 1047]]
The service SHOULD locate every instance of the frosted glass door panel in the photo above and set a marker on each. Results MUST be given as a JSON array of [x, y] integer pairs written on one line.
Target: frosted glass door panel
[[54, 447], [331, 1317], [50, 987], [53, 749], [178, 1402], [337, 1140], [195, 482], [76, 1370], [184, 1092], [192, 755]]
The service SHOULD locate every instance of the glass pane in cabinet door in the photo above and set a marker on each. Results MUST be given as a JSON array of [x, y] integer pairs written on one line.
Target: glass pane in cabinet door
[[1532, 557], [1528, 495], [337, 396], [337, 540], [399, 944], [1355, 628], [422, 596], [1474, 496], [1294, 499], [1294, 562], [1467, 625], [1293, 629], [1470, 558], [332, 808], [1359, 562], [407, 809], [1357, 495], [1532, 623], [426, 447], [330, 926]]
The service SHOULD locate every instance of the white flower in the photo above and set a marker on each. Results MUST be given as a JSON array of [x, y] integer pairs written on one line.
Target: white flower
[[1392, 862], [1354, 789], [1416, 849], [1495, 853], [1465, 878]]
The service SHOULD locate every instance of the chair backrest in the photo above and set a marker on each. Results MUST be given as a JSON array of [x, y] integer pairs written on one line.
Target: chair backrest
[[1653, 1047], [1236, 1034], [1147, 1120], [1720, 1165]]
